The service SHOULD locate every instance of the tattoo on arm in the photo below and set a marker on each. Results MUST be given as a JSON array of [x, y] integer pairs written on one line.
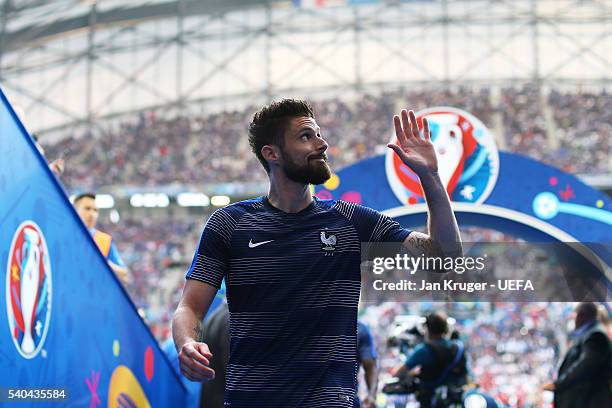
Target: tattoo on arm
[[419, 243], [199, 332]]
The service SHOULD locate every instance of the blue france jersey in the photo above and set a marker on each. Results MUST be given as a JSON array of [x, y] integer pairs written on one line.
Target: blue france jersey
[[293, 282]]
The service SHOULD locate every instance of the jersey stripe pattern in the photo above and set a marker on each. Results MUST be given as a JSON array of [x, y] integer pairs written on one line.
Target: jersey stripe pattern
[[293, 283]]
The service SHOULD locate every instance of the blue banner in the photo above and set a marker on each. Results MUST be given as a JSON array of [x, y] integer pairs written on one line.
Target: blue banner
[[68, 330]]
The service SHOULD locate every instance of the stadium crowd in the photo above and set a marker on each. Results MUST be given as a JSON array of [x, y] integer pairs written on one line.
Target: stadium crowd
[[569, 130], [584, 126]]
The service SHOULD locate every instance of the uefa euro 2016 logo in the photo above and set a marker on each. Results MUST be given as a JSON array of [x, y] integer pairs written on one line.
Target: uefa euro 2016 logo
[[28, 289], [468, 159]]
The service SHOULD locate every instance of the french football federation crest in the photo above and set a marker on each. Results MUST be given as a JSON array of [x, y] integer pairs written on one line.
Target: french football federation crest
[[329, 243], [468, 159], [28, 289]]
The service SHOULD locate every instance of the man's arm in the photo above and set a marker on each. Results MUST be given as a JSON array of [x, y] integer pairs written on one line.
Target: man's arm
[[194, 356], [116, 264], [370, 369], [443, 238], [120, 271], [419, 154], [419, 356]]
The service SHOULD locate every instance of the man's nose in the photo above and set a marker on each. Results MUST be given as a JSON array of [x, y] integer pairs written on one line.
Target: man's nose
[[322, 147]]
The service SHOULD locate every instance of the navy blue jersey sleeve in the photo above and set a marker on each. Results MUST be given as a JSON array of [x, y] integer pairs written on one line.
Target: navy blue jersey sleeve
[[371, 225], [211, 260]]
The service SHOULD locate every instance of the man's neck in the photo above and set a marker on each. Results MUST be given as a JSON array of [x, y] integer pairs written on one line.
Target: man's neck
[[585, 325], [287, 195]]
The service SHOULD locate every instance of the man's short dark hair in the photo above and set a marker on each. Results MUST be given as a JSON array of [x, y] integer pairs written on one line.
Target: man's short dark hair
[[270, 124], [82, 196], [436, 324], [587, 310]]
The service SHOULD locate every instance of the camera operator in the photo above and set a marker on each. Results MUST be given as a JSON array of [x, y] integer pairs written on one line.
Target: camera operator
[[439, 363]]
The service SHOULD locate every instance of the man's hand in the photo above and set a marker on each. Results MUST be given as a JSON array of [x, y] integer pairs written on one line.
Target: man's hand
[[194, 356], [194, 360], [415, 372], [415, 152], [548, 387], [57, 166], [121, 272], [368, 402]]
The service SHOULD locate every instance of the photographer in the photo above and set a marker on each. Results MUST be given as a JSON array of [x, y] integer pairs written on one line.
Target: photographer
[[440, 365]]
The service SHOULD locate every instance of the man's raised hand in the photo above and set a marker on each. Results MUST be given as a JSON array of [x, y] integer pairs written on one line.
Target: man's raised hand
[[415, 151]]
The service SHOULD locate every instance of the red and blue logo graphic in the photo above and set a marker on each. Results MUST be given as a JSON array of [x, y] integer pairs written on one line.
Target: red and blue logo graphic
[[28, 289], [468, 159]]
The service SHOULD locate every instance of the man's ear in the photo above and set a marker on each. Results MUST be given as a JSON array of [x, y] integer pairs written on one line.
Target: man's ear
[[271, 153]]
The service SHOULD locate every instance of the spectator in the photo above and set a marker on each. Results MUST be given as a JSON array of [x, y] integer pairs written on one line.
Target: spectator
[[85, 205], [585, 373]]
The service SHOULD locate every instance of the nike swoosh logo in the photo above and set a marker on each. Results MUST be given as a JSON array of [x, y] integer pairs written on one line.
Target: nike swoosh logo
[[254, 245]]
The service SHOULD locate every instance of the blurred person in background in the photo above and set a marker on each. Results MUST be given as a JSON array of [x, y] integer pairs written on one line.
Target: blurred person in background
[[217, 336], [85, 206], [366, 358], [57, 165], [586, 371], [437, 362]]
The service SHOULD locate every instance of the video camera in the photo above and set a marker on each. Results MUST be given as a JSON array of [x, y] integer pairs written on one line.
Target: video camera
[[407, 332]]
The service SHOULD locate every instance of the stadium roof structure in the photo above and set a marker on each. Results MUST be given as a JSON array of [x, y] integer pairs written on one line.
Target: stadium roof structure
[[73, 64], [31, 22]]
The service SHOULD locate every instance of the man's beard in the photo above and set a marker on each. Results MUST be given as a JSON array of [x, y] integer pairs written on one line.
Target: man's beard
[[310, 173]]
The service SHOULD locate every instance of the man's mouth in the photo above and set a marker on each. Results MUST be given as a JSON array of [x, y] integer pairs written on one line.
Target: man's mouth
[[322, 157]]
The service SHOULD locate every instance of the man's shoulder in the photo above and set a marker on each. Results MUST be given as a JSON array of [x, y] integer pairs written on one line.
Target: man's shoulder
[[599, 335], [223, 220], [101, 233], [440, 345], [248, 204], [421, 352], [348, 208], [422, 348], [341, 203]]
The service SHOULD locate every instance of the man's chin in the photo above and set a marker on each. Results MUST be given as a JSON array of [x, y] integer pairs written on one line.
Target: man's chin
[[321, 175], [316, 173], [320, 181], [314, 179]]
